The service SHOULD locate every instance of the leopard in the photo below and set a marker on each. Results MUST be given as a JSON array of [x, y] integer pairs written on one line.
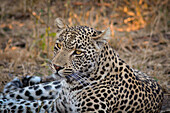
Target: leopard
[[88, 77]]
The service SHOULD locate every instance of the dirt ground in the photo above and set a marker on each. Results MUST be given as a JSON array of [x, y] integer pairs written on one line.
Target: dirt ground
[[140, 34]]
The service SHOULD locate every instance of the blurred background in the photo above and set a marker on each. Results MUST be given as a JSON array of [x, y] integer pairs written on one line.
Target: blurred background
[[139, 33]]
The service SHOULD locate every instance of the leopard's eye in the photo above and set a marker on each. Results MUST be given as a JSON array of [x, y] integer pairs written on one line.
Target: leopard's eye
[[59, 45], [77, 52]]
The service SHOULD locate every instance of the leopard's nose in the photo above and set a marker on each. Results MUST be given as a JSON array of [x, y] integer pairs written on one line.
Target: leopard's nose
[[58, 68]]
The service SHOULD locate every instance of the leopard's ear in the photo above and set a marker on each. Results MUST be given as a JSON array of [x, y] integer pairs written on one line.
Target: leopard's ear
[[102, 38], [103, 35], [60, 25]]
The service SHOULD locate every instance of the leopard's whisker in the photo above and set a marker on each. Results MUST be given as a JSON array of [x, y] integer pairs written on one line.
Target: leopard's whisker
[[82, 79]]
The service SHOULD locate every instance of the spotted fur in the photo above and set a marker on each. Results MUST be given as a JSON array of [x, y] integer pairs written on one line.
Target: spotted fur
[[90, 78]]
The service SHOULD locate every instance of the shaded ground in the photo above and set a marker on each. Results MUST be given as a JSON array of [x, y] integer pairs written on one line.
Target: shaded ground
[[139, 34]]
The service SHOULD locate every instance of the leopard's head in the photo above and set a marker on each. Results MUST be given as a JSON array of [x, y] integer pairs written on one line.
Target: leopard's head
[[76, 51]]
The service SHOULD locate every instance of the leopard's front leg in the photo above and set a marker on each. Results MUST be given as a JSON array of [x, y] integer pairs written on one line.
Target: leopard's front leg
[[53, 97], [41, 91], [17, 83]]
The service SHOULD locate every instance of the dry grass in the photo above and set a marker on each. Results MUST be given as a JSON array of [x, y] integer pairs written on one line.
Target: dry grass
[[139, 34]]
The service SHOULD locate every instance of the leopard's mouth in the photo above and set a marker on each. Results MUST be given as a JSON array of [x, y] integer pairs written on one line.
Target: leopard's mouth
[[57, 74], [67, 73], [64, 73]]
